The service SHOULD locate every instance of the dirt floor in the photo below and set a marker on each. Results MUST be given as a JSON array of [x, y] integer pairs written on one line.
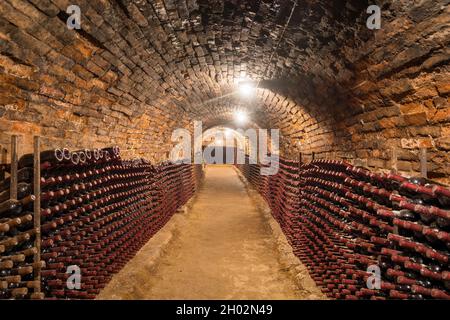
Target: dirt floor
[[222, 248]]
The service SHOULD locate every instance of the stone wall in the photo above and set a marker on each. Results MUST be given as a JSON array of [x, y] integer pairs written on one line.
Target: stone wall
[[139, 69], [393, 96], [70, 89], [400, 96]]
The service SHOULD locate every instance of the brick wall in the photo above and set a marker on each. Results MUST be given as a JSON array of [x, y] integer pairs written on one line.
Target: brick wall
[[138, 69], [400, 95], [76, 91]]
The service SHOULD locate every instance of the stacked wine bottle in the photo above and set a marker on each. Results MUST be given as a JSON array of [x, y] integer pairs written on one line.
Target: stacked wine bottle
[[97, 211], [18, 267], [362, 235]]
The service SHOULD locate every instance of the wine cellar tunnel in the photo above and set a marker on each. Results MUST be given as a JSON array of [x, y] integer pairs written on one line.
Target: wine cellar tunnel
[[98, 88]]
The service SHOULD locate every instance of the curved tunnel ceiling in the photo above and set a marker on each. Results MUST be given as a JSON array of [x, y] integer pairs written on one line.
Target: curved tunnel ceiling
[[137, 69], [199, 49], [189, 54]]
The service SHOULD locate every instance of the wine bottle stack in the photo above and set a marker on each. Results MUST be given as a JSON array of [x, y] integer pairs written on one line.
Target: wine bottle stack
[[98, 210], [18, 268], [362, 235]]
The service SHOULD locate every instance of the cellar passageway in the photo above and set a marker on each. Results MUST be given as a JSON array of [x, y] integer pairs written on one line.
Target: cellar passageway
[[224, 251], [351, 96]]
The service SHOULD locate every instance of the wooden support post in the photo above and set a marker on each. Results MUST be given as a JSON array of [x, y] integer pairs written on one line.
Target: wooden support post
[[3, 161], [14, 159], [313, 156], [423, 162], [37, 211]]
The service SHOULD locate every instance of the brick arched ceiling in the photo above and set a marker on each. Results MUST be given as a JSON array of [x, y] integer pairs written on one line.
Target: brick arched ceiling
[[140, 68]]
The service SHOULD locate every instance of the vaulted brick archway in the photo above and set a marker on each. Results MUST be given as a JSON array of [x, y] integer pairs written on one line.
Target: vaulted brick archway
[[106, 106], [139, 69]]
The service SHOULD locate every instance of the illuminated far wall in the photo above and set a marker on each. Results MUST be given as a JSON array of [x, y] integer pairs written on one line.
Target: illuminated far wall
[[225, 137], [222, 137], [228, 137]]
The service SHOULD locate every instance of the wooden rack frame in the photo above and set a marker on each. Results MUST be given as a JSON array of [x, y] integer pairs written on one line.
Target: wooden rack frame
[[37, 202], [37, 209], [3, 161]]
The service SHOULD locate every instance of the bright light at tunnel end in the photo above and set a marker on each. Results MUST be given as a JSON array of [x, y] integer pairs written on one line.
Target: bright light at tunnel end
[[228, 133], [246, 88], [253, 145], [241, 117]]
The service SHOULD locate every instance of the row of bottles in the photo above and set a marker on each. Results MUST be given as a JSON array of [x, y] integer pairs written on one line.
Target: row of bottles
[[97, 211], [19, 268], [362, 235]]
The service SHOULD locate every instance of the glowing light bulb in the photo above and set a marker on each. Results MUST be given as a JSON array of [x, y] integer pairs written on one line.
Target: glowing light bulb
[[246, 89], [241, 117]]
